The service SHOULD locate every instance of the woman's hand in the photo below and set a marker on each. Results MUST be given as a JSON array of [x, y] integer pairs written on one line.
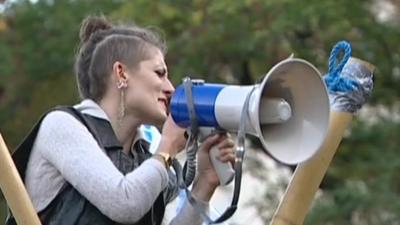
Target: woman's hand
[[172, 138], [207, 180]]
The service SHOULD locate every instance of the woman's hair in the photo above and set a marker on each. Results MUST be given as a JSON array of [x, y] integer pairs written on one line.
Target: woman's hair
[[102, 44]]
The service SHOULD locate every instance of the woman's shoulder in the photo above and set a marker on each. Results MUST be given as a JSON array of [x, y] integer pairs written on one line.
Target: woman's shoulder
[[59, 117], [61, 132], [60, 121]]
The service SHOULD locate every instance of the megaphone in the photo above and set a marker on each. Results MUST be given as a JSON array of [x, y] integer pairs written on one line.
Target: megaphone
[[288, 111]]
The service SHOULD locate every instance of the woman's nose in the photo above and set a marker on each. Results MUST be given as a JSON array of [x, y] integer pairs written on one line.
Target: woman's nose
[[168, 88]]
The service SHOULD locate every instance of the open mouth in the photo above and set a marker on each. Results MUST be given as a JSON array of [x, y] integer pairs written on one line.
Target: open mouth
[[166, 103]]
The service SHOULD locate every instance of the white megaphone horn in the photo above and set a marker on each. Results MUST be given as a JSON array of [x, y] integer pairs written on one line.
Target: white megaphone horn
[[288, 111]]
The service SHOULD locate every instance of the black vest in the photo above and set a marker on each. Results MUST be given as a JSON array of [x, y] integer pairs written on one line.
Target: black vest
[[69, 207]]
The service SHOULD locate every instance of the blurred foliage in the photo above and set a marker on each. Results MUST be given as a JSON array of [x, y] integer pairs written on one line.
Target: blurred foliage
[[224, 41], [364, 182]]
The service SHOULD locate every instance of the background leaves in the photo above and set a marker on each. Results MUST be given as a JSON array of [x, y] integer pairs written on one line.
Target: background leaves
[[233, 42]]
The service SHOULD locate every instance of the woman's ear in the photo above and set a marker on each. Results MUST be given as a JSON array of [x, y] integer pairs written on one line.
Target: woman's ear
[[120, 71], [120, 75]]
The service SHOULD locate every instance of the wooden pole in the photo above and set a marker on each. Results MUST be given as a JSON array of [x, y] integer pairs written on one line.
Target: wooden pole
[[14, 190], [308, 176]]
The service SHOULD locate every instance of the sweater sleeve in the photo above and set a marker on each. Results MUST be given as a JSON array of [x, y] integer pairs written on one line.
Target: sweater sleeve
[[72, 150], [189, 215]]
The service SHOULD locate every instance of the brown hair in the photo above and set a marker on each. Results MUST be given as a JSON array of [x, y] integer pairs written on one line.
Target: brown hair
[[102, 44]]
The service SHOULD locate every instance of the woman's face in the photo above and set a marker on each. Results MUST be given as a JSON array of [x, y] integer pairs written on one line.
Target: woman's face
[[149, 90]]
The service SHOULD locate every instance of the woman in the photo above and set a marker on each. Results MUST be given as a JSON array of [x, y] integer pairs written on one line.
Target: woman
[[90, 164]]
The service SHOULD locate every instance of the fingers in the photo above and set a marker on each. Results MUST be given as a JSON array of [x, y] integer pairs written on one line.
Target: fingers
[[214, 139], [226, 149], [225, 141], [225, 145], [211, 140], [227, 155]]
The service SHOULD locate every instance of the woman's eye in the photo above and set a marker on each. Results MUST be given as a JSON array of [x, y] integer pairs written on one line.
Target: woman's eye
[[160, 73]]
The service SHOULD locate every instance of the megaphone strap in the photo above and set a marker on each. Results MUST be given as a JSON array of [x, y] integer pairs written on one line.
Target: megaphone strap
[[187, 84], [192, 143]]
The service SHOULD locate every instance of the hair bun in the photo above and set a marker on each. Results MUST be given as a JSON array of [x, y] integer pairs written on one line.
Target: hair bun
[[91, 25]]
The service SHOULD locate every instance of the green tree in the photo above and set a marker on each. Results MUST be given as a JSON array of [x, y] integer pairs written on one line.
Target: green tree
[[226, 41]]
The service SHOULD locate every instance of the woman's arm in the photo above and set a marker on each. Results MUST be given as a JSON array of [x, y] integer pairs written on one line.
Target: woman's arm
[[207, 180], [73, 151]]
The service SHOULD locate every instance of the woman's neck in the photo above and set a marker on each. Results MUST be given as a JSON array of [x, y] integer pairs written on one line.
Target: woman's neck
[[124, 128]]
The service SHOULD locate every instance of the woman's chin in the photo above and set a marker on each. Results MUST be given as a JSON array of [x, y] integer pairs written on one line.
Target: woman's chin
[[160, 119]]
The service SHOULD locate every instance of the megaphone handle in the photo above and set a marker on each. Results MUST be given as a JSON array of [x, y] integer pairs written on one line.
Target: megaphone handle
[[224, 171]]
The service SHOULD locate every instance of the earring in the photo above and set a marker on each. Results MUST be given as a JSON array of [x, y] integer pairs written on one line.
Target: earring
[[122, 85]]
